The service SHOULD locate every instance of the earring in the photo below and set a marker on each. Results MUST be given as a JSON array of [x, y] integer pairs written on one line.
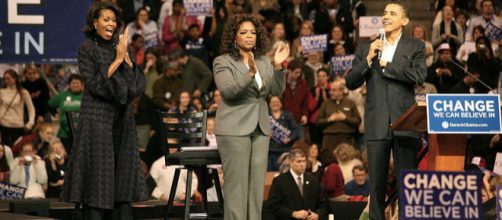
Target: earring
[[235, 46]]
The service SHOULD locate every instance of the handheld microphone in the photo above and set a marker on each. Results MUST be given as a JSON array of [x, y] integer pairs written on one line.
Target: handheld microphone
[[381, 35], [470, 74]]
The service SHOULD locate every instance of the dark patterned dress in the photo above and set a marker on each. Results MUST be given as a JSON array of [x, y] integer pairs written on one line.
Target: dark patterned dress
[[104, 167]]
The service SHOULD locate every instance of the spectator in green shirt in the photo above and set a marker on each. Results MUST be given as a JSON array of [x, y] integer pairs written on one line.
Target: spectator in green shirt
[[68, 100]]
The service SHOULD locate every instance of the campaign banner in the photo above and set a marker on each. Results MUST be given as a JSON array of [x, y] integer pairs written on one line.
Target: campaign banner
[[340, 64], [369, 25], [493, 32], [32, 31], [9, 191], [463, 113], [279, 132], [198, 7], [440, 195], [314, 43], [498, 196]]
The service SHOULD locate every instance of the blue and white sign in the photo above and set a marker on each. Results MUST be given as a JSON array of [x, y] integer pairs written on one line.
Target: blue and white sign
[[41, 31], [340, 64], [463, 113], [198, 7], [9, 191], [314, 43], [440, 195]]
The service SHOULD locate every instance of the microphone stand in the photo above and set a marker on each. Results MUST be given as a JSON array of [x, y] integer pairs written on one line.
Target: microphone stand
[[470, 74]]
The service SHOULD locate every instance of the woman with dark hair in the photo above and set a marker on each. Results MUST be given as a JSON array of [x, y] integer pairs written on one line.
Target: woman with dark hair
[[337, 36], [245, 76], [104, 171], [35, 84], [13, 99], [144, 27]]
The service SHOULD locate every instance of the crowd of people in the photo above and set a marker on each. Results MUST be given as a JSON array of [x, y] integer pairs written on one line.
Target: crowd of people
[[316, 113]]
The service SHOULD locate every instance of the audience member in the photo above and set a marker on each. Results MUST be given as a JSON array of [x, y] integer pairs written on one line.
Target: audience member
[[315, 168], [340, 120], [195, 75], [444, 74], [68, 101], [486, 19], [55, 165], [152, 70], [295, 96], [318, 95], [167, 87], [36, 85], [28, 171], [40, 140], [359, 185], [163, 176], [195, 44], [420, 32], [13, 99], [284, 131], [175, 26], [145, 27], [345, 155], [296, 194]]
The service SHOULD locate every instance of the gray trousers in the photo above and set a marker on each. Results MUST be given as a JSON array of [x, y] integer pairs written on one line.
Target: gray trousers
[[244, 161]]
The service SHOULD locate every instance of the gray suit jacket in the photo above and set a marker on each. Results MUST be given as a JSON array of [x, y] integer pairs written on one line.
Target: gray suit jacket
[[390, 92], [243, 106]]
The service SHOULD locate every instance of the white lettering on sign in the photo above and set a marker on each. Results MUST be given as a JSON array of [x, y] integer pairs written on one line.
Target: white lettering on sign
[[15, 18], [29, 40], [470, 105]]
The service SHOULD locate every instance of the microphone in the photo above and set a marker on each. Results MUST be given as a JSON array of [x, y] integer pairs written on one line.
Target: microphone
[[470, 74], [414, 70], [381, 35]]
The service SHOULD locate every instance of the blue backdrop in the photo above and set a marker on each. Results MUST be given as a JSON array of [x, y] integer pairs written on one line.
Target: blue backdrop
[[55, 40]]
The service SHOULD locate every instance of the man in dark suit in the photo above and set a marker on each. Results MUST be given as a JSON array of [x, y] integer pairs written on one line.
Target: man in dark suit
[[390, 82], [296, 194]]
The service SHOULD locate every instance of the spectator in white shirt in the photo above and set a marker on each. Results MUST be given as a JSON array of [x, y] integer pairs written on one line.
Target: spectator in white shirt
[[487, 17], [28, 171], [163, 176], [210, 136]]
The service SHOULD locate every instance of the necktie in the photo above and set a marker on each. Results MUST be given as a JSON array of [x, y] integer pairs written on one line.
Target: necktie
[[26, 175], [300, 184]]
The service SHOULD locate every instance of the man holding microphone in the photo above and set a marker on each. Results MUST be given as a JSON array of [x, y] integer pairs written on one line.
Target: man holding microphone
[[391, 66]]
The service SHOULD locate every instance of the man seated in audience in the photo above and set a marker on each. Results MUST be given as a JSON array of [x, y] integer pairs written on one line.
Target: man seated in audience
[[444, 74], [28, 170], [296, 194], [359, 185], [163, 176]]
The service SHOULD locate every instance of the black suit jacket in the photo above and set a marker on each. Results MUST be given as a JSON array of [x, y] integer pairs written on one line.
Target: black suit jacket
[[285, 197], [391, 92]]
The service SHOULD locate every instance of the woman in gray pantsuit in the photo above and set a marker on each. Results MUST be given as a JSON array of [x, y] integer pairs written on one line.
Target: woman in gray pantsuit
[[245, 78]]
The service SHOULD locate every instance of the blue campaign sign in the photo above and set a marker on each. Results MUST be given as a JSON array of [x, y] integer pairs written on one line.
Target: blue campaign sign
[[41, 31], [314, 43], [340, 64], [463, 113], [9, 191], [440, 195]]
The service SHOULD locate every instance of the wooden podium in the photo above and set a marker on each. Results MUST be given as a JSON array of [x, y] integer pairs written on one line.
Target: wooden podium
[[446, 151]]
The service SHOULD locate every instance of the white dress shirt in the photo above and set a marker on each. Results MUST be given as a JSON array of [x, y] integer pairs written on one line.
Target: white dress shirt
[[389, 49]]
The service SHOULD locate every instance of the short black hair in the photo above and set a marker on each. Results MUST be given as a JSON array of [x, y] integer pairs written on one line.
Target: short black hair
[[406, 12], [360, 167], [135, 37], [75, 77], [177, 53]]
